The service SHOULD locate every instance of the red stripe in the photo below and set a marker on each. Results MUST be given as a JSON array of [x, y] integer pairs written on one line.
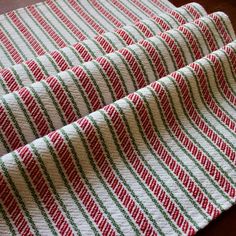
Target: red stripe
[[135, 67], [128, 14], [188, 144], [10, 48], [176, 15], [160, 5], [60, 60], [144, 29], [35, 111], [214, 107], [62, 99], [51, 32], [193, 11], [108, 48], [83, 52], [143, 8], [35, 70], [27, 35], [222, 29], [75, 30], [113, 78], [40, 185], [107, 172], [192, 42], [162, 152], [155, 57], [89, 88], [9, 131], [145, 175], [11, 206], [208, 98], [106, 13], [125, 36], [221, 79], [161, 22], [86, 16], [208, 35], [232, 55], [9, 79], [174, 48], [71, 171]]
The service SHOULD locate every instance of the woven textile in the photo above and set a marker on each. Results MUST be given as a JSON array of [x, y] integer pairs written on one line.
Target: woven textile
[[116, 118]]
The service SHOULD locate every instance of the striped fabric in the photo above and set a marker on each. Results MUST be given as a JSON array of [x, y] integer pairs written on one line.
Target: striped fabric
[[116, 118], [50, 104], [51, 63], [40, 28]]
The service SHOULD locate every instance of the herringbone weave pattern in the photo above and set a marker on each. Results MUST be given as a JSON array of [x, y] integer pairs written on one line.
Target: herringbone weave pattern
[[116, 118]]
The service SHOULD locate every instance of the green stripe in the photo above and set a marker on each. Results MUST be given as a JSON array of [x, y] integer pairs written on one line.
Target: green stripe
[[67, 184], [54, 101], [80, 90], [13, 121], [25, 111], [191, 137], [148, 145], [111, 12], [33, 194], [42, 107], [218, 85], [40, 28], [69, 95], [88, 184], [122, 179], [109, 191], [6, 145], [212, 113], [52, 189], [60, 22], [79, 16], [145, 163], [182, 164], [3, 216], [20, 35], [8, 35], [100, 14], [41, 13]]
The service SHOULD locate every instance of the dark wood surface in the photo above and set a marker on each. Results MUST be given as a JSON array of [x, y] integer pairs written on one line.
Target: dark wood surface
[[224, 225], [8, 5]]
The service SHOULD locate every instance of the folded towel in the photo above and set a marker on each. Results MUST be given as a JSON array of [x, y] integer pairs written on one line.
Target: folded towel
[[41, 28], [116, 118], [161, 160], [39, 68], [50, 104]]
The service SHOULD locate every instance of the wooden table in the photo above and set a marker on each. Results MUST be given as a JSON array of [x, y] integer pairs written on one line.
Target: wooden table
[[225, 225]]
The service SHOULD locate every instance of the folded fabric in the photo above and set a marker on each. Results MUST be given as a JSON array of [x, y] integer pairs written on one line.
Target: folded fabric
[[20, 75], [34, 111], [159, 161], [41, 28], [116, 118]]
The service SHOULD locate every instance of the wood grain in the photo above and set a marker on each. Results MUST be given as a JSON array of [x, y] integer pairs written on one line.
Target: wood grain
[[224, 225], [8, 5]]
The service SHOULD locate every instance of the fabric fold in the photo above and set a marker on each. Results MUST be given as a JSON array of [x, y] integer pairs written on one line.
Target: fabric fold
[[34, 111], [37, 29], [116, 118], [36, 69], [167, 150]]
